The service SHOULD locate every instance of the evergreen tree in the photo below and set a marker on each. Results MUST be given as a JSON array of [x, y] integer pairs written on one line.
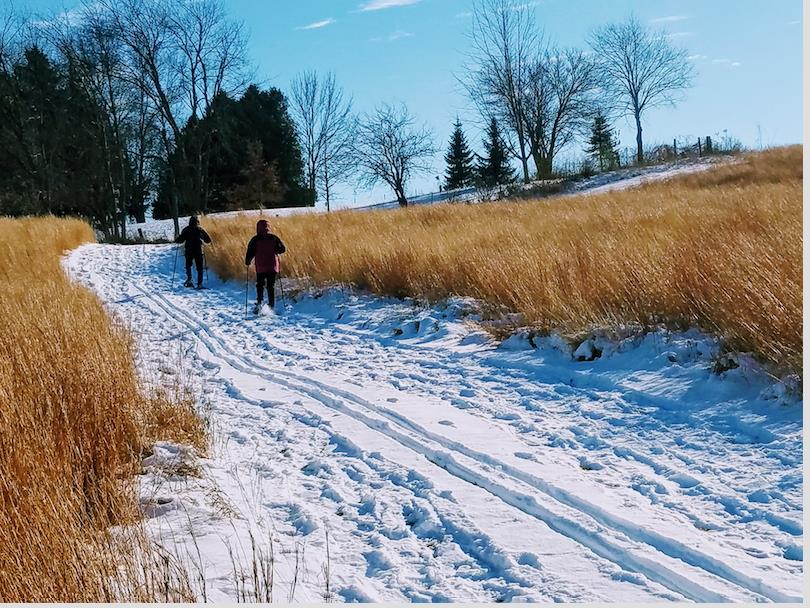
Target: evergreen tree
[[602, 144], [494, 168], [53, 148], [261, 187], [459, 158], [230, 133]]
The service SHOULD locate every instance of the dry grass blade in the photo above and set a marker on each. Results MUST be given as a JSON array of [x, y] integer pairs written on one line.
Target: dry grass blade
[[73, 423], [720, 249]]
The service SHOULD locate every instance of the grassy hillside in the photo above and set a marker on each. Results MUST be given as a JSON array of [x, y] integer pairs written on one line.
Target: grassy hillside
[[73, 424], [720, 249]]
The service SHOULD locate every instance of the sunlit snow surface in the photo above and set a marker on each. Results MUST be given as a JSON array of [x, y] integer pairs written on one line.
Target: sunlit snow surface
[[444, 466]]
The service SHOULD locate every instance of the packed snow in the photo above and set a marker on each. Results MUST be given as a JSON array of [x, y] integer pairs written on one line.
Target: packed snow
[[632, 177], [371, 449]]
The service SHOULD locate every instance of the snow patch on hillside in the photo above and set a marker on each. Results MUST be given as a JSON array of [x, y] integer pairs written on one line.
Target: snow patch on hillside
[[603, 182]]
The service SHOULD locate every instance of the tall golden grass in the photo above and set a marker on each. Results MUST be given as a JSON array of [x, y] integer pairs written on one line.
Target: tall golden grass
[[719, 249], [74, 421]]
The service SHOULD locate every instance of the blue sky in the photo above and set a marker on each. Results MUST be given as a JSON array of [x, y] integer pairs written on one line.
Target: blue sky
[[748, 56]]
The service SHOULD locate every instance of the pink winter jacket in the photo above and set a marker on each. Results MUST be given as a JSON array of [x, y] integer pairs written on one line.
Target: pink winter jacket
[[265, 247]]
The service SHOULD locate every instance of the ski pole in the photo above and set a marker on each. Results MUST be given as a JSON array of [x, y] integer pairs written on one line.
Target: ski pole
[[247, 279], [205, 265], [281, 287], [174, 272]]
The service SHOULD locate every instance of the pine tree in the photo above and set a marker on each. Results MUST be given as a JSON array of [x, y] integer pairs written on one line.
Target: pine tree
[[602, 144], [459, 158], [260, 185], [494, 169], [230, 126]]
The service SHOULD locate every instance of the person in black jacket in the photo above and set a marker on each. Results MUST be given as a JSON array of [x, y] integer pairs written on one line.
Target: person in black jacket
[[194, 237]]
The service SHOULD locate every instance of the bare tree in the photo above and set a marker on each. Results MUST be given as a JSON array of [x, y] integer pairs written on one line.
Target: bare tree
[[95, 56], [504, 41], [179, 56], [641, 69], [326, 126], [11, 31], [212, 50], [558, 103], [143, 145], [390, 149]]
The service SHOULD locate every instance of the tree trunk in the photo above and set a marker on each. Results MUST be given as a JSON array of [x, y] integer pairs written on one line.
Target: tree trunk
[[639, 143], [543, 165], [198, 180], [401, 198], [175, 218], [140, 207], [123, 219], [326, 184], [524, 160]]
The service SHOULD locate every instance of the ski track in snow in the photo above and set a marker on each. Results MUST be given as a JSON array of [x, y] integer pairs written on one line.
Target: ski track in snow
[[447, 468]]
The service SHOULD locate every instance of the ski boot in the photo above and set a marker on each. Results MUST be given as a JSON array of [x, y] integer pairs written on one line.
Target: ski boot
[[188, 283]]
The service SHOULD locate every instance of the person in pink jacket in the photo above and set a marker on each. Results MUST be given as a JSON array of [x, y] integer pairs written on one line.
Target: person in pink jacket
[[265, 248]]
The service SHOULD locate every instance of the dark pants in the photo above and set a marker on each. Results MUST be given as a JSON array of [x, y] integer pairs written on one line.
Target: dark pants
[[270, 279], [194, 258]]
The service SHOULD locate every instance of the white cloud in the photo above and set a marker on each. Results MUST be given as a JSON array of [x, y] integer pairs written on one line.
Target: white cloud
[[525, 5], [378, 5], [680, 34], [400, 34], [397, 35], [669, 19], [71, 18], [317, 25], [697, 57], [464, 15], [728, 62]]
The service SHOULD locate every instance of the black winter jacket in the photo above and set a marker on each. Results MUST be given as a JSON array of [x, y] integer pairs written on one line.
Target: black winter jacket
[[193, 237]]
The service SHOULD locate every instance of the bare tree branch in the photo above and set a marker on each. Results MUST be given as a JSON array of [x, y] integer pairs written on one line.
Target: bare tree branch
[[641, 69], [390, 149], [504, 42], [325, 124], [558, 103], [179, 56]]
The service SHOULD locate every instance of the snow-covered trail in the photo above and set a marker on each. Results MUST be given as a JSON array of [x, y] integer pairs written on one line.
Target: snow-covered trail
[[446, 467]]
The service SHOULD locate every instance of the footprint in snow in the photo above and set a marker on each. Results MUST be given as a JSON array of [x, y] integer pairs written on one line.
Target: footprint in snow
[[684, 480], [529, 559], [589, 465], [447, 422], [447, 495]]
